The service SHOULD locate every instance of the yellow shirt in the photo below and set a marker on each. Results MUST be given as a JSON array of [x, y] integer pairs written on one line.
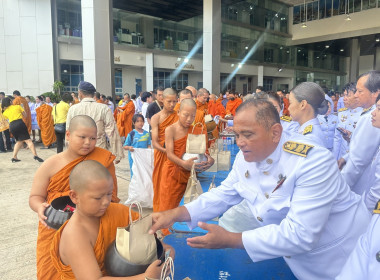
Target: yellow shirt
[[60, 112], [13, 113], [4, 124]]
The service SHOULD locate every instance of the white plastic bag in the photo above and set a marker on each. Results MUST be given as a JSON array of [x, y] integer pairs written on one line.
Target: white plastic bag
[[141, 185]]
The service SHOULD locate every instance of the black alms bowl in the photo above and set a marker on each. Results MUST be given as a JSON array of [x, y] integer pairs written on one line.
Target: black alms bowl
[[117, 266], [56, 217]]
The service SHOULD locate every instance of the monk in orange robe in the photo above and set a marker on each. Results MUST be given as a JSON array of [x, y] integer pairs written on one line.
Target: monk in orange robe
[[46, 123], [19, 100], [79, 247], [216, 108], [124, 116], [176, 171], [232, 104], [159, 123], [52, 181], [183, 94]]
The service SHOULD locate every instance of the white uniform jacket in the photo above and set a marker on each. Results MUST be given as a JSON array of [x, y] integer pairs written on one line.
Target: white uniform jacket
[[364, 261], [328, 124], [312, 130], [372, 196], [364, 144], [289, 125], [312, 217]]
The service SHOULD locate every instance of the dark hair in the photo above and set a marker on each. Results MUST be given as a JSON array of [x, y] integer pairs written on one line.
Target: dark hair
[[136, 117], [66, 97], [40, 97], [97, 94], [16, 92], [351, 87], [127, 94], [313, 94], [2, 93], [133, 96], [260, 88], [265, 113], [159, 89], [378, 98], [103, 96], [145, 95], [270, 95], [110, 98], [373, 81], [5, 103]]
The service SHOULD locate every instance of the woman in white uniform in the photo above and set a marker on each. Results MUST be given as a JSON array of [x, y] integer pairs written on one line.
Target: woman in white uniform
[[306, 101]]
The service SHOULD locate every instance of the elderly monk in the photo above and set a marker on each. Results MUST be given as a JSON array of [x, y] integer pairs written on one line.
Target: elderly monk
[[202, 106], [233, 103], [52, 181], [176, 171], [159, 123], [124, 116], [79, 247], [183, 94], [193, 91], [46, 123], [19, 100]]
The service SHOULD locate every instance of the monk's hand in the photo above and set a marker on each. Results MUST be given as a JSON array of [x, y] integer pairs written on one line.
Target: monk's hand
[[341, 163], [154, 270], [41, 213], [204, 165], [216, 238], [188, 164]]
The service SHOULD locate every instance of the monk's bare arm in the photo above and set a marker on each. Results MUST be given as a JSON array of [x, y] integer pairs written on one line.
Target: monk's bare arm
[[154, 123], [77, 251], [169, 143], [38, 193]]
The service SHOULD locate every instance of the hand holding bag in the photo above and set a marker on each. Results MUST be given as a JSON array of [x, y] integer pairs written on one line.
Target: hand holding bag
[[134, 243], [196, 143], [193, 189]]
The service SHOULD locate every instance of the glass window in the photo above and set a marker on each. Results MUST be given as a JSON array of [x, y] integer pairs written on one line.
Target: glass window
[[267, 84]]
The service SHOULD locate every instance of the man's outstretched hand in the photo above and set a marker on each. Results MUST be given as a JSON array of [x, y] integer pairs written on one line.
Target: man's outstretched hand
[[216, 238]]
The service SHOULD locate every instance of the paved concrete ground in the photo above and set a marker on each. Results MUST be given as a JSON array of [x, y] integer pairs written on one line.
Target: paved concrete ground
[[18, 223]]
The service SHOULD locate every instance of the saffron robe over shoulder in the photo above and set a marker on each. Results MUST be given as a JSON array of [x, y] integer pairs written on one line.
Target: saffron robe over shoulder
[[46, 124]]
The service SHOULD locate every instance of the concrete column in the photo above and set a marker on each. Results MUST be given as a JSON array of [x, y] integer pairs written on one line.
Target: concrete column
[[260, 75], [149, 72], [147, 30], [354, 59], [98, 55], [310, 58], [376, 61], [212, 26]]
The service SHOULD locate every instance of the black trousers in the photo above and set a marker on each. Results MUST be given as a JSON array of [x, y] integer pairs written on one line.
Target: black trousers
[[60, 140], [7, 140]]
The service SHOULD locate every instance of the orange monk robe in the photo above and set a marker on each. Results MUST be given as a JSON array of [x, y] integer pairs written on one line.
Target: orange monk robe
[[160, 158], [124, 119], [177, 106], [232, 106], [286, 106], [19, 100], [117, 215], [46, 124], [99, 101], [59, 186], [216, 108]]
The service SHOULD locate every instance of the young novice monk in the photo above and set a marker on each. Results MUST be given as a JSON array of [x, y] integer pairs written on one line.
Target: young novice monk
[[52, 180], [79, 246], [176, 171], [159, 123]]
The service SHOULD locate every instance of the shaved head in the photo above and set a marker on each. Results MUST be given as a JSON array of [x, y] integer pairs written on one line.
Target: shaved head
[[212, 96], [183, 94], [202, 92], [188, 102], [81, 121], [169, 92], [193, 91], [85, 172]]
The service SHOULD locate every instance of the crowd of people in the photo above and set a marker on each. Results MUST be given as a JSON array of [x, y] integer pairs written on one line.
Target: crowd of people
[[303, 185]]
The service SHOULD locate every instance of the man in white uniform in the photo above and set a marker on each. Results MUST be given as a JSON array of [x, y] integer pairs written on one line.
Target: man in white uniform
[[365, 139], [306, 210]]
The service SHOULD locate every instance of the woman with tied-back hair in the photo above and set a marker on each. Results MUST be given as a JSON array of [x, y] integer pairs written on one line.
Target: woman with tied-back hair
[[307, 100]]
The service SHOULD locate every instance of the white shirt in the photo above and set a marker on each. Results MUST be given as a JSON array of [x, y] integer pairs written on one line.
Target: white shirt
[[143, 112], [316, 133], [105, 124], [313, 218], [364, 261], [364, 144], [372, 196]]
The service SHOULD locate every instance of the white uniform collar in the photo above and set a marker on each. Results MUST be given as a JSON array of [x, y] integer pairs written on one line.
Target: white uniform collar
[[273, 158], [310, 122]]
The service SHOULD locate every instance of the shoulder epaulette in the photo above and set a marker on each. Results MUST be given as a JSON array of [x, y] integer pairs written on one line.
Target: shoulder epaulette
[[377, 208], [297, 148], [342, 109], [286, 118], [365, 111], [307, 129]]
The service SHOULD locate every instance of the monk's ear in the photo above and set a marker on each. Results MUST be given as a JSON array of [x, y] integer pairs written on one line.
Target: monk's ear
[[68, 135], [74, 196]]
